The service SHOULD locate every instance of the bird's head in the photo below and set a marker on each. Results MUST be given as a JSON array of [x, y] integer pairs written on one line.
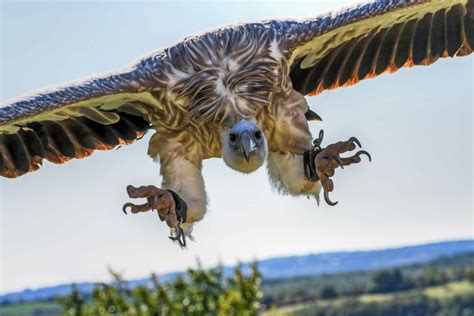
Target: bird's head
[[244, 147]]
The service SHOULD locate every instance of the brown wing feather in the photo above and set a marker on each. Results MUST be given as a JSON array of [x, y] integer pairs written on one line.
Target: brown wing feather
[[445, 33], [61, 141]]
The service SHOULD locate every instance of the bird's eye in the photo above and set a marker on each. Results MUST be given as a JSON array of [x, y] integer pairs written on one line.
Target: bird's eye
[[232, 137], [258, 135]]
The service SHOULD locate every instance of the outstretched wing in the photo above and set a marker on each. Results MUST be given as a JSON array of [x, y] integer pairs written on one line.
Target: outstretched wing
[[72, 121], [340, 49], [326, 52]]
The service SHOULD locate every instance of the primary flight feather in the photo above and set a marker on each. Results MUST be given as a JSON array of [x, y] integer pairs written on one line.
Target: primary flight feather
[[236, 93]]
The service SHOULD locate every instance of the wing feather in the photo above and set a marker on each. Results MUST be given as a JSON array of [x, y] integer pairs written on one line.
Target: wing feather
[[74, 120], [362, 42], [326, 52]]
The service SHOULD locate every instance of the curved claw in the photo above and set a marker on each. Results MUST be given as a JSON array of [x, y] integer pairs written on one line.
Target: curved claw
[[363, 152], [339, 161], [328, 201], [130, 189], [317, 141], [180, 237], [321, 135], [356, 141], [126, 205], [178, 234]]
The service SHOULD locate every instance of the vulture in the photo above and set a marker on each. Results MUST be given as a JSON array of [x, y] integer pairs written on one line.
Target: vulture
[[237, 92]]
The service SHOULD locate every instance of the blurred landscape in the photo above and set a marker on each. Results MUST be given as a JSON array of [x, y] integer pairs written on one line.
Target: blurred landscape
[[433, 279]]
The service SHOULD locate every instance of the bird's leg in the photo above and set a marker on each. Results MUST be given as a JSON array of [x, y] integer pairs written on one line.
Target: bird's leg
[[169, 206], [321, 163]]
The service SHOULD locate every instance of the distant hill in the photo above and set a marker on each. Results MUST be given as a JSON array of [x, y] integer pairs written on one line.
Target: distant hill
[[334, 262], [294, 266]]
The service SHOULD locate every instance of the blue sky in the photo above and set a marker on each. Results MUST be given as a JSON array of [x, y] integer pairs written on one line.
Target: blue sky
[[64, 223]]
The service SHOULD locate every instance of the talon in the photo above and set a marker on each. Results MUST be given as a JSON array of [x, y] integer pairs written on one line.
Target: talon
[[355, 140], [317, 142], [328, 201], [179, 234], [339, 161], [130, 189], [124, 208], [363, 152]]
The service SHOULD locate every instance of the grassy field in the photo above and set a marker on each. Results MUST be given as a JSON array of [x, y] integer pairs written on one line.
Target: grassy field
[[27, 309], [443, 292]]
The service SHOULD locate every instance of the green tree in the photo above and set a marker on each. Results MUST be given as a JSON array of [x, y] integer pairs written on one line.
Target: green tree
[[243, 296], [388, 281], [328, 292], [197, 292], [74, 303], [432, 276]]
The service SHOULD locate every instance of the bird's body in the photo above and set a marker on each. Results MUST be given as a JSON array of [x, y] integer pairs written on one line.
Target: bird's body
[[236, 93], [250, 83]]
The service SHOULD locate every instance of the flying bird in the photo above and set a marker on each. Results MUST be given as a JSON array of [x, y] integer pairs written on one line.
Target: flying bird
[[238, 93]]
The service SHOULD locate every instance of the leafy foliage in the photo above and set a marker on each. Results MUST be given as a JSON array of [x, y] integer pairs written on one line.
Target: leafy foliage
[[389, 281], [198, 292], [328, 292]]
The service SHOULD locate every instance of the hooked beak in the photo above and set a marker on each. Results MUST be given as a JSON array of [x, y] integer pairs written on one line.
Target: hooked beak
[[248, 146], [312, 116]]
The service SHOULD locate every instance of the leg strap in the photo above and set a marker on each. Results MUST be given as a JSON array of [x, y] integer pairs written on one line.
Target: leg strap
[[308, 158]]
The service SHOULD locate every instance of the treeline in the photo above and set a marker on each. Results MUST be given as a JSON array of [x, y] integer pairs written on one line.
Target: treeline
[[393, 280], [197, 292], [415, 304], [443, 287], [308, 289]]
